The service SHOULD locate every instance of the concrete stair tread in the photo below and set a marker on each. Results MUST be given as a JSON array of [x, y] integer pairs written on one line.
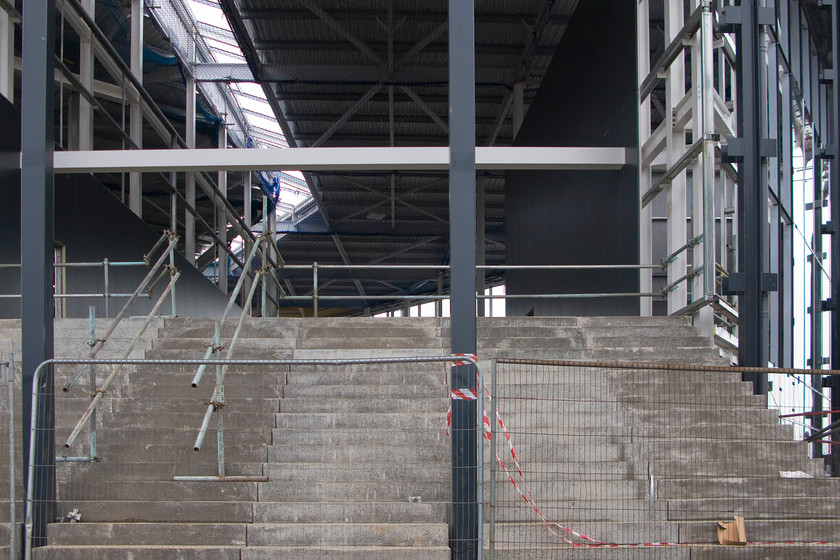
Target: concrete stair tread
[[148, 533], [146, 552], [347, 553]]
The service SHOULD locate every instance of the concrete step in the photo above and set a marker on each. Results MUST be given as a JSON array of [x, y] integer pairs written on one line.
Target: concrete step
[[235, 388], [268, 327], [359, 354], [148, 552], [742, 487], [384, 341], [366, 454], [351, 512], [355, 491], [361, 322], [431, 420], [146, 490], [753, 507], [302, 472], [144, 510], [384, 391], [638, 355], [767, 552], [119, 468], [547, 552], [370, 330], [207, 534], [385, 377], [573, 513], [729, 467], [403, 535], [536, 533], [257, 343], [346, 553], [758, 530], [239, 352], [362, 405], [179, 453], [342, 438]]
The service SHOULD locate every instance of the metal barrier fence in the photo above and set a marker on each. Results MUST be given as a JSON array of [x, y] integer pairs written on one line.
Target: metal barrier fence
[[648, 457], [11, 495], [369, 436]]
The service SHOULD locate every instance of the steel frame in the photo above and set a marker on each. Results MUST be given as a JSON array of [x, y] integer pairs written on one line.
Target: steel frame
[[740, 159]]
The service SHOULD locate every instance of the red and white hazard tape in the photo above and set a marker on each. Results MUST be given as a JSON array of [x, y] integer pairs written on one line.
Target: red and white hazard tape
[[554, 527]]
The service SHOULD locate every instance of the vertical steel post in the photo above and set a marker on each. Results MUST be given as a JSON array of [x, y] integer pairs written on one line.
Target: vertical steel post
[[675, 147], [265, 255], [246, 216], [135, 179], [493, 468], [707, 86], [645, 216], [106, 271], [92, 378], [834, 174], [189, 178], [9, 377], [462, 226], [222, 224], [37, 253], [86, 65], [220, 400], [315, 289], [816, 301], [752, 201]]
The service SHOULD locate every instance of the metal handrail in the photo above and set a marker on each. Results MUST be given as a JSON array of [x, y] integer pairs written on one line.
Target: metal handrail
[[142, 286], [174, 275]]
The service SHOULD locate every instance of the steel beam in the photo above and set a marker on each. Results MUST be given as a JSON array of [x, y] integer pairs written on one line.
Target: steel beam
[[465, 520], [37, 247], [336, 159], [752, 202]]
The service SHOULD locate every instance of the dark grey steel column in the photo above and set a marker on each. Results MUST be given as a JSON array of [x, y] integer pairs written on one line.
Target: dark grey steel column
[[752, 202], [36, 240], [464, 524], [834, 171]]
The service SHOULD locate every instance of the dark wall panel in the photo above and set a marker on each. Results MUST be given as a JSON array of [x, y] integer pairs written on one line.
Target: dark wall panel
[[92, 225], [588, 98]]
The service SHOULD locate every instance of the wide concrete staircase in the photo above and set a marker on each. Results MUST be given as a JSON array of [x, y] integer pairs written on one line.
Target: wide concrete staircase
[[356, 461]]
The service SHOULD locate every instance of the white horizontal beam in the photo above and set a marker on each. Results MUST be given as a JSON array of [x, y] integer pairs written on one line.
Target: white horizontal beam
[[334, 159]]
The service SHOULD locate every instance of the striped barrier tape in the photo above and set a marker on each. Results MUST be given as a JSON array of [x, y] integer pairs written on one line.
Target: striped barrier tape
[[527, 496]]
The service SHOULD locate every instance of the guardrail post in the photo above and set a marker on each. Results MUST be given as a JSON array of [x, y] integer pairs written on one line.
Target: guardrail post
[[106, 271], [219, 398], [7, 370], [315, 289], [92, 377]]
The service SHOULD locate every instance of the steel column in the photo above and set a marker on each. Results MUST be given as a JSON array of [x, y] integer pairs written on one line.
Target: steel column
[[645, 211], [752, 202], [37, 242], [834, 171], [464, 522], [222, 232], [675, 147], [86, 64], [135, 179], [189, 192]]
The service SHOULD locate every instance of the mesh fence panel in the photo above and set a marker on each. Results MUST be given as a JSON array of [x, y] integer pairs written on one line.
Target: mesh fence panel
[[650, 459], [314, 456]]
